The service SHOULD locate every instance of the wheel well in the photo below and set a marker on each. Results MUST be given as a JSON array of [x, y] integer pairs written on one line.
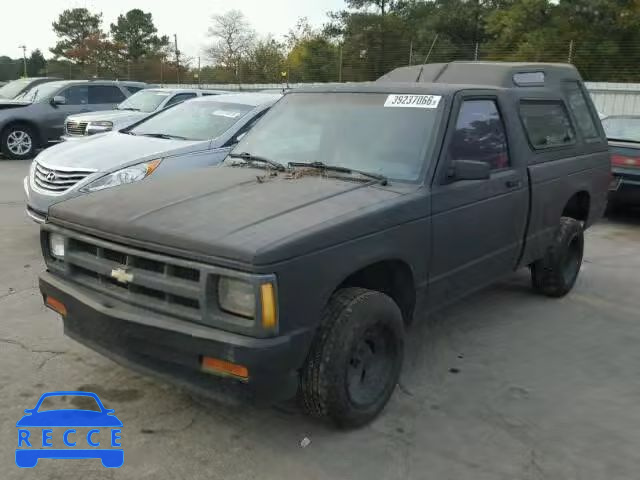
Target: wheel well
[[391, 277], [31, 125], [578, 206]]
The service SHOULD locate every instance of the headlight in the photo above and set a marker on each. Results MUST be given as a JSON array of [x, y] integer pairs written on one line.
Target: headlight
[[56, 245], [99, 127], [130, 174], [237, 296]]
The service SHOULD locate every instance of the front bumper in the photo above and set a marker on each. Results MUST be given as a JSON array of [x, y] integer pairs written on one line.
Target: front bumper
[[172, 349]]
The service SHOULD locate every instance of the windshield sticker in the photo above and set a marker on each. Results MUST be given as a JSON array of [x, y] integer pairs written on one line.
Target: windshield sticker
[[226, 113], [415, 101]]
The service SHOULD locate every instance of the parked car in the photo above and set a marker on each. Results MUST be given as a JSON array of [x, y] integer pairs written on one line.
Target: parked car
[[623, 133], [17, 87], [193, 134], [133, 109], [36, 118], [297, 265]]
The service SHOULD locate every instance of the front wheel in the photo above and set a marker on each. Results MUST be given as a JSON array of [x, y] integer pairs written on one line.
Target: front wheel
[[355, 361], [556, 274], [18, 142]]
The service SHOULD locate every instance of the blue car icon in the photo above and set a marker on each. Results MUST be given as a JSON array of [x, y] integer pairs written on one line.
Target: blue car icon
[[29, 452]]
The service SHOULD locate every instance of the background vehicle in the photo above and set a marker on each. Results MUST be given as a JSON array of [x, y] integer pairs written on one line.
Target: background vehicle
[[133, 109], [193, 134], [37, 116], [17, 87], [346, 213], [623, 133]]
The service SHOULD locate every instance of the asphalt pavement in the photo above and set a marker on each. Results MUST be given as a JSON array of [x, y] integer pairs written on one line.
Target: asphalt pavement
[[504, 385]]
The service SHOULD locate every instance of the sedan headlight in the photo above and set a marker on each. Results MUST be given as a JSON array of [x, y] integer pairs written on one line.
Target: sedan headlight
[[99, 127], [130, 174], [56, 246], [237, 297]]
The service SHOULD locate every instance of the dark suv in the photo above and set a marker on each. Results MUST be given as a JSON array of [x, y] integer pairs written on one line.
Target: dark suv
[[36, 117], [345, 213]]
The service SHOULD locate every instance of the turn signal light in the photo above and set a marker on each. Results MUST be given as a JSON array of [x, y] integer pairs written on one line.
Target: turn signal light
[[56, 306], [268, 301], [224, 368]]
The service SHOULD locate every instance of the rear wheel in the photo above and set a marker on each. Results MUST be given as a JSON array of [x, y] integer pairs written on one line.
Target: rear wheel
[[18, 142], [355, 361], [556, 274]]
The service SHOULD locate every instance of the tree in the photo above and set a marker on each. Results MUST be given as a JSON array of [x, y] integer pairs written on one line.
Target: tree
[[73, 28], [233, 37], [36, 64], [138, 35], [264, 62]]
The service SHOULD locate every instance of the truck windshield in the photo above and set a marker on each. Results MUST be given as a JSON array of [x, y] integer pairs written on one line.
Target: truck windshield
[[195, 120], [144, 101], [622, 128], [352, 130]]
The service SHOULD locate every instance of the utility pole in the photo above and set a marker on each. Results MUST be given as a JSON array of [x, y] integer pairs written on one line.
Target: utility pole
[[570, 59], [24, 58], [175, 39], [340, 65], [411, 53], [199, 72]]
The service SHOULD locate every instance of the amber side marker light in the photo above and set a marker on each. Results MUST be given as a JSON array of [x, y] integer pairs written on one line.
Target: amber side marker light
[[268, 301], [224, 368], [56, 306]]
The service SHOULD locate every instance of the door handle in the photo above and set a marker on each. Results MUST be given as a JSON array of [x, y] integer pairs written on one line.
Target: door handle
[[513, 184]]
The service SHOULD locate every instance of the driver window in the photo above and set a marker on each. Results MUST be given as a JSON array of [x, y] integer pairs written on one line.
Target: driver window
[[77, 95], [480, 135]]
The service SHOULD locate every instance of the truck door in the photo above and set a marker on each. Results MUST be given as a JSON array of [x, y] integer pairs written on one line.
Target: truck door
[[477, 225]]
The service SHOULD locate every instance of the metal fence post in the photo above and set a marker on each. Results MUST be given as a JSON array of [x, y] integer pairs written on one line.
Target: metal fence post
[[570, 59]]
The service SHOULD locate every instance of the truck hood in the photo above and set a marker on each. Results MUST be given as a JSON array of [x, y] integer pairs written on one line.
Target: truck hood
[[102, 152], [224, 212], [117, 116]]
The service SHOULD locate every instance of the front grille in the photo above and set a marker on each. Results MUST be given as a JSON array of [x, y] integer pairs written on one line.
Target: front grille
[[57, 181], [75, 129], [163, 286]]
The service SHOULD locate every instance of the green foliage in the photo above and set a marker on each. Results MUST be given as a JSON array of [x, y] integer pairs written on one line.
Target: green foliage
[[74, 28], [36, 64], [137, 34]]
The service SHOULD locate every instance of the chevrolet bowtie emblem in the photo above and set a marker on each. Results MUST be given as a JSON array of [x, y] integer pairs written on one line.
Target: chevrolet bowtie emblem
[[121, 275]]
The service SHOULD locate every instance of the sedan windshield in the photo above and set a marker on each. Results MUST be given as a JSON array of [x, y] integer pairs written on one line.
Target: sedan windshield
[[360, 131], [196, 120], [12, 89], [622, 128], [144, 101]]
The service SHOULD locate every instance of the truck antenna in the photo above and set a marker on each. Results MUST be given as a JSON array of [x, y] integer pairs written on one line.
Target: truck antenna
[[435, 39]]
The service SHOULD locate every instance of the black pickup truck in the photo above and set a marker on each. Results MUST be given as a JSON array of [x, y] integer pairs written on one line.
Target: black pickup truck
[[298, 265]]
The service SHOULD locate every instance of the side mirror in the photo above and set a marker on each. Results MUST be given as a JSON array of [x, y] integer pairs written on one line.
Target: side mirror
[[469, 170], [58, 100]]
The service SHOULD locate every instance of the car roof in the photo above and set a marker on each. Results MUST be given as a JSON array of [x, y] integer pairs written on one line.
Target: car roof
[[63, 83], [253, 99], [184, 90]]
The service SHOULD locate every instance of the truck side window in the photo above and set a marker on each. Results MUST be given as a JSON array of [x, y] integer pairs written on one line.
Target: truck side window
[[580, 108], [547, 123], [480, 135]]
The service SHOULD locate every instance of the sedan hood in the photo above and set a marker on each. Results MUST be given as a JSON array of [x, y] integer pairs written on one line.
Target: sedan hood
[[225, 212], [103, 152], [116, 116]]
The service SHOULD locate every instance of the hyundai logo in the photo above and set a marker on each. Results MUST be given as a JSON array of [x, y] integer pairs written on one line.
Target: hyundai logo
[[51, 177]]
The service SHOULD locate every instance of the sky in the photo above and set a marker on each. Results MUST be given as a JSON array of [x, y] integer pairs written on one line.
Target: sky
[[189, 19]]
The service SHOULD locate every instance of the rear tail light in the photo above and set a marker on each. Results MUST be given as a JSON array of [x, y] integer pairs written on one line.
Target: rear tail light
[[624, 161]]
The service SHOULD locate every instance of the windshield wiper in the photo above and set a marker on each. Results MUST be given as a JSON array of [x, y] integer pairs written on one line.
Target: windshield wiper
[[131, 109], [335, 168], [248, 157], [166, 136]]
